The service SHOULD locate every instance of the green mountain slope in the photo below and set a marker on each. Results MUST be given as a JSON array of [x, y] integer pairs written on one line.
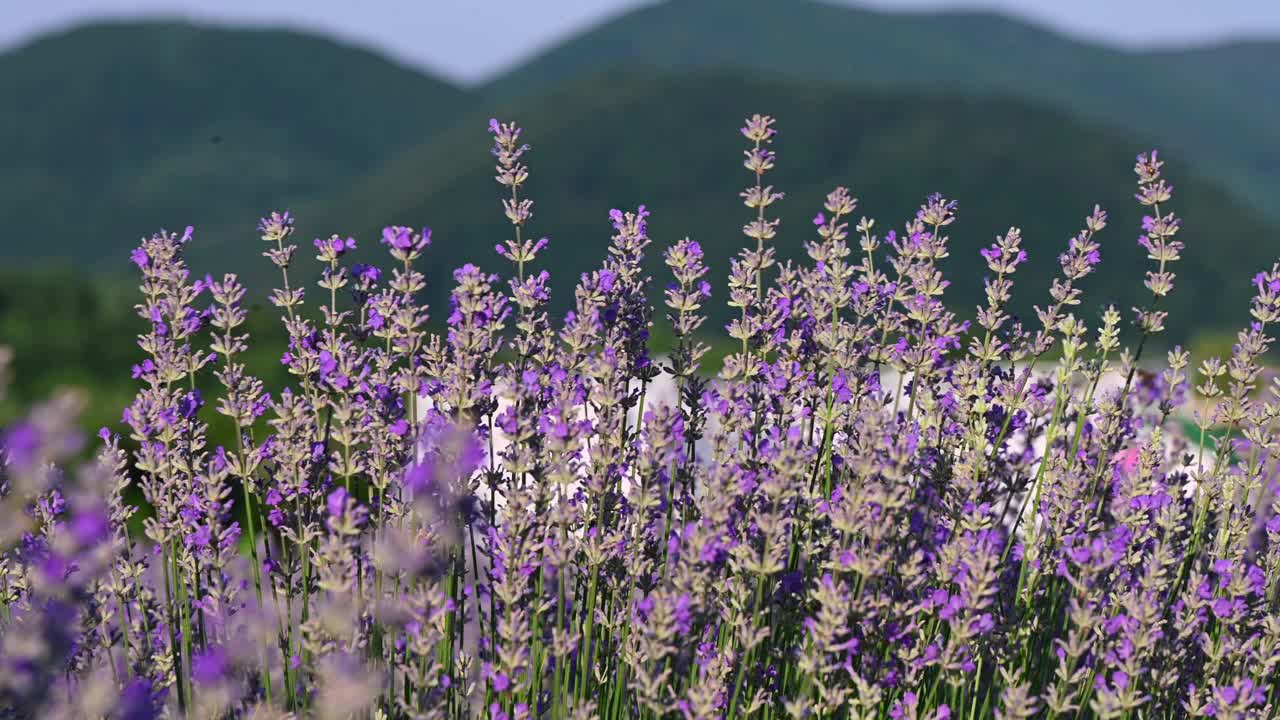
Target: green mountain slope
[[111, 131], [618, 140], [1215, 106]]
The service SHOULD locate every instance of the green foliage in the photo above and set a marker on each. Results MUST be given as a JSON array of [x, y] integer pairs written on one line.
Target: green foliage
[[1215, 343], [66, 332], [1205, 105], [109, 132]]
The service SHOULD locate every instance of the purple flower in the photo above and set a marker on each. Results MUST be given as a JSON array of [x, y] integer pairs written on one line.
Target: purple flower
[[211, 666], [145, 368], [397, 237], [337, 502], [1273, 525], [20, 444], [366, 274], [90, 527], [190, 404], [607, 278], [139, 701], [405, 239], [681, 613], [201, 538]]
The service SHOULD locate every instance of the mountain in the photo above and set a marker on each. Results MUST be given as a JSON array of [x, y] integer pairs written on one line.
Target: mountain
[[1214, 106], [671, 142], [109, 132]]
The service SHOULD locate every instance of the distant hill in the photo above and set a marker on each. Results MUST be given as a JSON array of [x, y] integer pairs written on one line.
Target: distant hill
[[1215, 106], [671, 142], [110, 131]]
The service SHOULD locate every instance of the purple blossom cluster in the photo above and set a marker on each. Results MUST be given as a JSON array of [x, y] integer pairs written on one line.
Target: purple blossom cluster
[[878, 507]]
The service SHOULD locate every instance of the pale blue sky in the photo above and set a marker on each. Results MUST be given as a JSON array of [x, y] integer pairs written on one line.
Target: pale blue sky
[[470, 40]]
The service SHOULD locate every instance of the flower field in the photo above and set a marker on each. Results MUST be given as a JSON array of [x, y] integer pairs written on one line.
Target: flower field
[[876, 506]]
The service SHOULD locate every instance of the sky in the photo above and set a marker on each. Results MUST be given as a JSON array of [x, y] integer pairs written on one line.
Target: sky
[[472, 40]]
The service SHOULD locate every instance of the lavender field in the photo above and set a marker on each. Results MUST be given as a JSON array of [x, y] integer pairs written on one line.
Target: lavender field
[[871, 508]]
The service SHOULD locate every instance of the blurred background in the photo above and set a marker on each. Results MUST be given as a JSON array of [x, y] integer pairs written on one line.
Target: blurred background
[[122, 117]]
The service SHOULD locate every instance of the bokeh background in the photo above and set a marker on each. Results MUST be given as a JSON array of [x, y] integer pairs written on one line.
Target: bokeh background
[[121, 118]]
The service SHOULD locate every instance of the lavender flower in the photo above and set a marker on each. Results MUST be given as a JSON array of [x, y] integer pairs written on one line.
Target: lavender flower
[[874, 509]]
